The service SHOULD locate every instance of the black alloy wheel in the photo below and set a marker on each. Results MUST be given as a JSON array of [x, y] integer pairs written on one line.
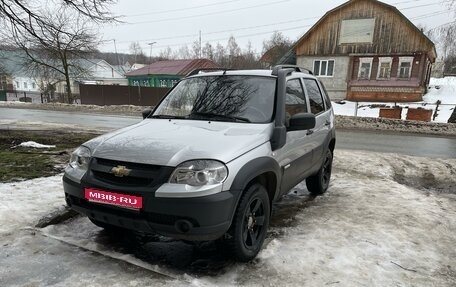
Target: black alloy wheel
[[250, 223], [318, 184]]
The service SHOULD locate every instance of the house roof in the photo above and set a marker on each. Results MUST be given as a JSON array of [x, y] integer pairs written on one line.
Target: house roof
[[173, 67], [349, 2]]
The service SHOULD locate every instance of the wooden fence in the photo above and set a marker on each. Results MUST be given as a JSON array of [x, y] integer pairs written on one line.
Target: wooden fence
[[103, 95]]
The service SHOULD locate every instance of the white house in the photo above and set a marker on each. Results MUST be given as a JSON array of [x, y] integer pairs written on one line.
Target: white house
[[21, 85]]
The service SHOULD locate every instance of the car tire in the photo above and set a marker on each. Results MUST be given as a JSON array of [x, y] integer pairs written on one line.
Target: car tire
[[318, 184], [250, 223]]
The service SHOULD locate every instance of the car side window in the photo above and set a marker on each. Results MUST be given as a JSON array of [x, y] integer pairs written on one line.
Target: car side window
[[295, 101], [316, 100], [326, 96]]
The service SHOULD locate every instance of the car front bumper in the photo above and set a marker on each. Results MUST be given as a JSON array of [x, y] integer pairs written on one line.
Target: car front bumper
[[197, 218]]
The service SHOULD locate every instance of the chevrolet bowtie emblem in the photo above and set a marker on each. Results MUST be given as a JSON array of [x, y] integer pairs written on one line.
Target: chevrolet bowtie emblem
[[120, 171]]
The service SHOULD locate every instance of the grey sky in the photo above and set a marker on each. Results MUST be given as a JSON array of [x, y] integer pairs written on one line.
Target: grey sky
[[177, 22]]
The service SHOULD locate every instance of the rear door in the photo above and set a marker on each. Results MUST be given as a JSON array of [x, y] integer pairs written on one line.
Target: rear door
[[295, 157], [322, 113]]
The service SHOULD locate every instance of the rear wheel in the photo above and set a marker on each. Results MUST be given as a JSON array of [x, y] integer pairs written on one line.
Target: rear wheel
[[250, 223], [318, 183]]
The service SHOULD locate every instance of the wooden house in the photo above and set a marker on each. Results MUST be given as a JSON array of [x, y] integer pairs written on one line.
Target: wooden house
[[366, 50]]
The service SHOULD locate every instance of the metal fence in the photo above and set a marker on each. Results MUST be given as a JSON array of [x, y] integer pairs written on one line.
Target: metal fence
[[120, 95]]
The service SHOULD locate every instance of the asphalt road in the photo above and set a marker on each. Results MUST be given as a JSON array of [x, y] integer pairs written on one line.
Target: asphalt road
[[410, 144]]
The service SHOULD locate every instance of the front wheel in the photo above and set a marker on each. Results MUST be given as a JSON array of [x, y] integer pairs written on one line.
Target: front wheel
[[250, 223], [319, 183]]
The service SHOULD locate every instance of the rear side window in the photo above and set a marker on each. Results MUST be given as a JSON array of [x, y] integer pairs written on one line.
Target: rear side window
[[295, 101], [326, 96], [315, 98]]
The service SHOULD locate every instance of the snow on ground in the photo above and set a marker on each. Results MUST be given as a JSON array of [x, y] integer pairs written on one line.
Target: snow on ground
[[24, 203], [440, 89], [32, 144], [387, 220]]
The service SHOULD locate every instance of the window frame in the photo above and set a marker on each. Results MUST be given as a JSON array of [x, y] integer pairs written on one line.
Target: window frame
[[306, 91], [382, 60], [326, 70], [362, 61], [409, 59]]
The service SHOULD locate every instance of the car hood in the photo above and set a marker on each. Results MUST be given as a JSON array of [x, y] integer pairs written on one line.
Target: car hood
[[171, 142]]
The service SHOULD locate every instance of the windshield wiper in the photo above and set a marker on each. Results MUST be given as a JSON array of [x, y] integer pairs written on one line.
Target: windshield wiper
[[167, 117], [217, 116]]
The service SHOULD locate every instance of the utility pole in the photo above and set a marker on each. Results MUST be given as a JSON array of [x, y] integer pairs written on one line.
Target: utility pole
[[200, 46], [150, 60]]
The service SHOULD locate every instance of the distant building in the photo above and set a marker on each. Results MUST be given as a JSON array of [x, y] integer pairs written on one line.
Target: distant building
[[19, 84], [366, 50], [166, 74]]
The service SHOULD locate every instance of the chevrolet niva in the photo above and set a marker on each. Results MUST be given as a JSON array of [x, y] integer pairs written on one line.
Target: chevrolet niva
[[208, 162]]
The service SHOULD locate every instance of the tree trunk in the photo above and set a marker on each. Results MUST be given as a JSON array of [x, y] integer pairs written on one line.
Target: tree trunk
[[67, 77], [452, 119]]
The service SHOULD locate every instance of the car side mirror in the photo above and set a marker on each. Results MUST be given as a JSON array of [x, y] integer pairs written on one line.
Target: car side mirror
[[146, 113], [301, 121]]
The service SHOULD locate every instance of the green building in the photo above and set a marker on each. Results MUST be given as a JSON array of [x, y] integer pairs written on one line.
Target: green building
[[165, 74]]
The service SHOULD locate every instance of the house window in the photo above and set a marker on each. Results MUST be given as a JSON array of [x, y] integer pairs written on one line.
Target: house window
[[33, 85], [357, 31], [324, 68], [25, 85], [18, 85], [365, 68], [405, 67], [384, 68]]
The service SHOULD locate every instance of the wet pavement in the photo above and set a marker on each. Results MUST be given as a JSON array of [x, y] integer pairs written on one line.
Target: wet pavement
[[390, 142]]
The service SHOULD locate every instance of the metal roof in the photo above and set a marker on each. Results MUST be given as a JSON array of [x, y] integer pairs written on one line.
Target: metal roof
[[173, 67]]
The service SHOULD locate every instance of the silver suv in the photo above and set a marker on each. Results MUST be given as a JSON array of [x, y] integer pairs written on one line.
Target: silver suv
[[210, 159]]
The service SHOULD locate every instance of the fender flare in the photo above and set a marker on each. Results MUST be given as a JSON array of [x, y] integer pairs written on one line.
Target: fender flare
[[253, 169]]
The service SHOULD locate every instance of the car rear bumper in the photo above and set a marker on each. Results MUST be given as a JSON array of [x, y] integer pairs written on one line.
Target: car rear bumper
[[198, 218]]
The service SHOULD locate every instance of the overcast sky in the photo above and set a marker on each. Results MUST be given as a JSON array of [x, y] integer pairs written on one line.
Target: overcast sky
[[175, 23]]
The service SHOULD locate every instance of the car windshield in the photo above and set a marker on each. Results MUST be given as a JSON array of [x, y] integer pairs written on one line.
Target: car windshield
[[221, 98]]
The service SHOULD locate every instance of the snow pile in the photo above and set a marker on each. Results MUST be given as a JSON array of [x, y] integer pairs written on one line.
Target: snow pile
[[33, 144], [24, 203], [440, 89]]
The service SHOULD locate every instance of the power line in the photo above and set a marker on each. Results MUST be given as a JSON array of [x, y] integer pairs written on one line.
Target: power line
[[207, 14], [181, 9], [419, 6], [278, 23], [223, 31]]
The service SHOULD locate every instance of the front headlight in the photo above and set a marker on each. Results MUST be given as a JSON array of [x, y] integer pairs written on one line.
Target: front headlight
[[80, 158], [199, 172]]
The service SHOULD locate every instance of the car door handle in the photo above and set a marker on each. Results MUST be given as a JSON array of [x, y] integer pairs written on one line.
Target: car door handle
[[327, 123], [309, 132]]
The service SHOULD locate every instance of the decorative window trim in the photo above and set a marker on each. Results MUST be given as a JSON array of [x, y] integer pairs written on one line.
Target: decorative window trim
[[364, 61], [327, 65], [382, 60], [405, 60]]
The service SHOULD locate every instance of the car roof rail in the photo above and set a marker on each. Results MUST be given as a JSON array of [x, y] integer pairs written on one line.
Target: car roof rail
[[197, 71], [275, 69]]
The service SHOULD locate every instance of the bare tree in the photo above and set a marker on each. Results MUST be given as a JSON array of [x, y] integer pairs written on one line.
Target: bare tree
[[208, 52], [54, 36], [27, 14], [196, 50], [58, 47], [166, 54], [275, 48], [137, 52], [182, 53]]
